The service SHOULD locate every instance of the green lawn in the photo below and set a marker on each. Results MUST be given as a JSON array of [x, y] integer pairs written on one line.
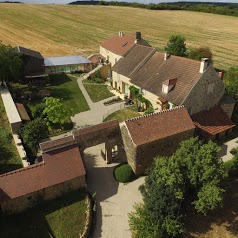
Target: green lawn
[[122, 115], [98, 92], [63, 217], [66, 87], [9, 158]]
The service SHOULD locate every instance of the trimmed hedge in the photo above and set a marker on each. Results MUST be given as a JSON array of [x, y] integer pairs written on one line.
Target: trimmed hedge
[[124, 173]]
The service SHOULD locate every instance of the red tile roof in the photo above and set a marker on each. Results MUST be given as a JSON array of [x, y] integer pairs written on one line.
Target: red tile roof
[[159, 125], [212, 122], [151, 76], [136, 56], [59, 166], [119, 44]]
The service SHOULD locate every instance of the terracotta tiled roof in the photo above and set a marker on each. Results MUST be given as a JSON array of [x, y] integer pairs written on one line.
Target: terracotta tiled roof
[[30, 52], [212, 122], [51, 145], [121, 44], [96, 58], [137, 55], [22, 111], [160, 125], [95, 128], [156, 71], [59, 166]]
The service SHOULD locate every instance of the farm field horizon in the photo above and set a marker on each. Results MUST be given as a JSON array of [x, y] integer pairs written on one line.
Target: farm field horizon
[[57, 30]]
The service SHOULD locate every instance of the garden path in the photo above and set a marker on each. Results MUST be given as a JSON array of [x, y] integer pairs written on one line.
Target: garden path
[[97, 110]]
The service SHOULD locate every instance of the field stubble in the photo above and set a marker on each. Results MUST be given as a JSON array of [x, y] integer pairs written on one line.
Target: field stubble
[[56, 30]]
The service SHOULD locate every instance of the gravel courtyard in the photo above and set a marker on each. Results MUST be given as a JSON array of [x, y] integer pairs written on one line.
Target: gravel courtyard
[[114, 200]]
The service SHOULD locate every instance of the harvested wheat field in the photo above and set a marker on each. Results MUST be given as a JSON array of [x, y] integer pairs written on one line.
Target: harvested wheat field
[[56, 30]]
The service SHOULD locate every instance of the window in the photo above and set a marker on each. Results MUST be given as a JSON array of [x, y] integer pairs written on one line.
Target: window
[[210, 88], [118, 78]]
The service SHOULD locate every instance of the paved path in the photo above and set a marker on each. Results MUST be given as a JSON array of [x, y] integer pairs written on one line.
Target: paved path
[[97, 110], [114, 200], [226, 148]]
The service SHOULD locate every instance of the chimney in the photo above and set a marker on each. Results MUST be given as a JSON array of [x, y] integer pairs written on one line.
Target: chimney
[[120, 34], [221, 74], [166, 56], [204, 64], [138, 36]]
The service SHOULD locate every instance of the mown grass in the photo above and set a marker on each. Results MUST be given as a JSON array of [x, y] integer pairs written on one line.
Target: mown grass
[[62, 217], [122, 115], [97, 92], [66, 87], [9, 157], [78, 30]]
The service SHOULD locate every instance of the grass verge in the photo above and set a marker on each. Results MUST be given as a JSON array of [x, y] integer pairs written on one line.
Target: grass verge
[[97, 92], [122, 115], [9, 158], [63, 217]]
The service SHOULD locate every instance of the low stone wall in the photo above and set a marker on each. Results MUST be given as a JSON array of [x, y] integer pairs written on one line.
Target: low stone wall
[[88, 222]]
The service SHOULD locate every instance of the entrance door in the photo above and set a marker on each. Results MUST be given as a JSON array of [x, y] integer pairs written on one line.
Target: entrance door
[[115, 85]]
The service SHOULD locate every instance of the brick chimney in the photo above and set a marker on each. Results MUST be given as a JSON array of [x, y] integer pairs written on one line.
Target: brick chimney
[[204, 64]]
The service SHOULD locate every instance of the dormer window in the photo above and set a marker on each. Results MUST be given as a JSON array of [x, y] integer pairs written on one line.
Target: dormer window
[[168, 85]]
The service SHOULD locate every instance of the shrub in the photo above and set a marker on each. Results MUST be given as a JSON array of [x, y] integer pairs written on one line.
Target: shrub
[[124, 174], [234, 151], [149, 110], [5, 135], [232, 166]]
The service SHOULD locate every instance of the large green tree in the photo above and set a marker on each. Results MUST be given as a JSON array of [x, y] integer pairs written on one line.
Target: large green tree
[[11, 64], [56, 112], [193, 175], [176, 46], [231, 81]]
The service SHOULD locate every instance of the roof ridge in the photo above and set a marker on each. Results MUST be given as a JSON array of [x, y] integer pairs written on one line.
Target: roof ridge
[[23, 169], [155, 113], [149, 55]]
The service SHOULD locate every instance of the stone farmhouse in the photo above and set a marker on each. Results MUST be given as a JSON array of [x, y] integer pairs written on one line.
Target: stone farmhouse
[[168, 81], [116, 47]]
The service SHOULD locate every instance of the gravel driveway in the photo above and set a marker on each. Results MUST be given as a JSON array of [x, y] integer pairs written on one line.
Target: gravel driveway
[[114, 200]]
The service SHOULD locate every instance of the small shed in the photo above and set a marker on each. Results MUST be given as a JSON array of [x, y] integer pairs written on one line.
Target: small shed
[[67, 64]]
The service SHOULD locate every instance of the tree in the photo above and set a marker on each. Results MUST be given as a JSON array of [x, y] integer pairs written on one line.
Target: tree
[[11, 63], [193, 175], [176, 46], [32, 133], [55, 112], [231, 82], [199, 53]]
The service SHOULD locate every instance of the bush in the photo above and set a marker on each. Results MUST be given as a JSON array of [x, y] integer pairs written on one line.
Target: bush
[[124, 174], [149, 110], [5, 135], [232, 166]]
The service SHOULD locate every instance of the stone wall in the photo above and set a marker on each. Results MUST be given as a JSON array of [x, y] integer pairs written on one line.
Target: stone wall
[[129, 146], [141, 157], [19, 204], [200, 98]]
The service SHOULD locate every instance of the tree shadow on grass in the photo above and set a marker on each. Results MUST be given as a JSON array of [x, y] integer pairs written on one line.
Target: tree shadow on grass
[[62, 93], [226, 217], [58, 79]]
